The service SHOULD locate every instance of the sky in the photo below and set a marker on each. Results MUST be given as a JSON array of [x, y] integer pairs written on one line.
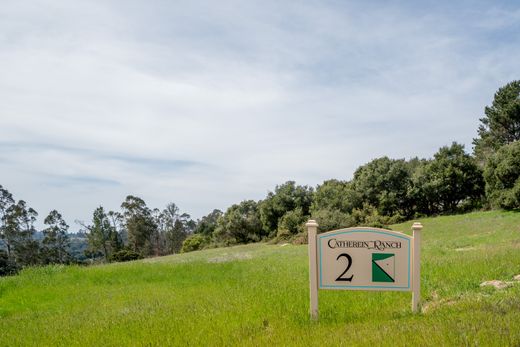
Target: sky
[[208, 103]]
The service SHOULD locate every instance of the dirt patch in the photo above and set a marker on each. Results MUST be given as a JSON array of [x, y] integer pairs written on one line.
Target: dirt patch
[[230, 257], [465, 249], [437, 302], [496, 284]]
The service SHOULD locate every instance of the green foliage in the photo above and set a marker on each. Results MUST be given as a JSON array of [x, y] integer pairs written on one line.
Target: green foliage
[[240, 224], [194, 243], [6, 201], [207, 225], [7, 265], [369, 216], [102, 236], [176, 236], [291, 223], [332, 219], [140, 225], [55, 241], [286, 197], [502, 176], [176, 227], [125, 255], [116, 239], [451, 178], [501, 123], [384, 183], [335, 195], [422, 192], [19, 231]]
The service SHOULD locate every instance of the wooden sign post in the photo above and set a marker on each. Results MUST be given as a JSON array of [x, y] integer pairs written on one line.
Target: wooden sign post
[[312, 230], [416, 293], [363, 258]]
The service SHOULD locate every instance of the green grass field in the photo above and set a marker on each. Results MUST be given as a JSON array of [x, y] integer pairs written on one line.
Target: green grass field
[[258, 295]]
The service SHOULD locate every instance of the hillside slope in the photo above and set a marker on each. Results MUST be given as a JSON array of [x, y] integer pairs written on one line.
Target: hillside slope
[[258, 295]]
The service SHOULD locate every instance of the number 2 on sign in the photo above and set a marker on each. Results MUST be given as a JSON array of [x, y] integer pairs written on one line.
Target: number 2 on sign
[[349, 264]]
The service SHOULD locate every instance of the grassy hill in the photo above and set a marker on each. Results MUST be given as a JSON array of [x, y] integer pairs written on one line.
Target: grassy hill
[[258, 295]]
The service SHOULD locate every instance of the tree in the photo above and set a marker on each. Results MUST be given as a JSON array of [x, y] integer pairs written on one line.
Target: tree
[[207, 224], [7, 265], [448, 180], [177, 227], [19, 231], [335, 195], [331, 219], [140, 224], [291, 223], [102, 236], [423, 190], [6, 201], [55, 241], [240, 224], [369, 216], [285, 198], [501, 123], [383, 183], [182, 227], [502, 177], [117, 240], [176, 236], [159, 240]]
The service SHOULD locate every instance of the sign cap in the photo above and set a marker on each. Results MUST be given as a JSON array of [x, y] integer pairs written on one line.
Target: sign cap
[[417, 226], [311, 223]]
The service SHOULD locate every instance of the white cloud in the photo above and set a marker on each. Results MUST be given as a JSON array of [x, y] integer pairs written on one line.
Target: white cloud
[[101, 99]]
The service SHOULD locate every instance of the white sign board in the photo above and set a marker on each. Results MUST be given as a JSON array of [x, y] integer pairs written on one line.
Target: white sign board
[[364, 259]]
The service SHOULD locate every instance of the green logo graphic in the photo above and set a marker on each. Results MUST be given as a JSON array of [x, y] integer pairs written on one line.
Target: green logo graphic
[[383, 267]]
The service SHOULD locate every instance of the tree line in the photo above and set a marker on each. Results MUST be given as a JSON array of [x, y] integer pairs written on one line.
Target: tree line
[[381, 192], [134, 232], [17, 230], [385, 191]]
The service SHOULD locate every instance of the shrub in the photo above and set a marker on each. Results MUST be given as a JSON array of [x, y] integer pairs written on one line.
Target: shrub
[[125, 255], [332, 219], [291, 223], [369, 216], [194, 243], [301, 239]]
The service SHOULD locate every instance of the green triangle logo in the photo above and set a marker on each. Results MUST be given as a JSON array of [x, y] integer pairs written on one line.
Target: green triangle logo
[[383, 267]]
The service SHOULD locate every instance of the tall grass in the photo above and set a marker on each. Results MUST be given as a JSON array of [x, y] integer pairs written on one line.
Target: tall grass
[[258, 295]]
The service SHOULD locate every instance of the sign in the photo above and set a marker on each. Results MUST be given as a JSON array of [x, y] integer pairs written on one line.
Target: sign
[[364, 259]]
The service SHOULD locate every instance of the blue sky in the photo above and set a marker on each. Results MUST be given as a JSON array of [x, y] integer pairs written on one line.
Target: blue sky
[[209, 103]]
